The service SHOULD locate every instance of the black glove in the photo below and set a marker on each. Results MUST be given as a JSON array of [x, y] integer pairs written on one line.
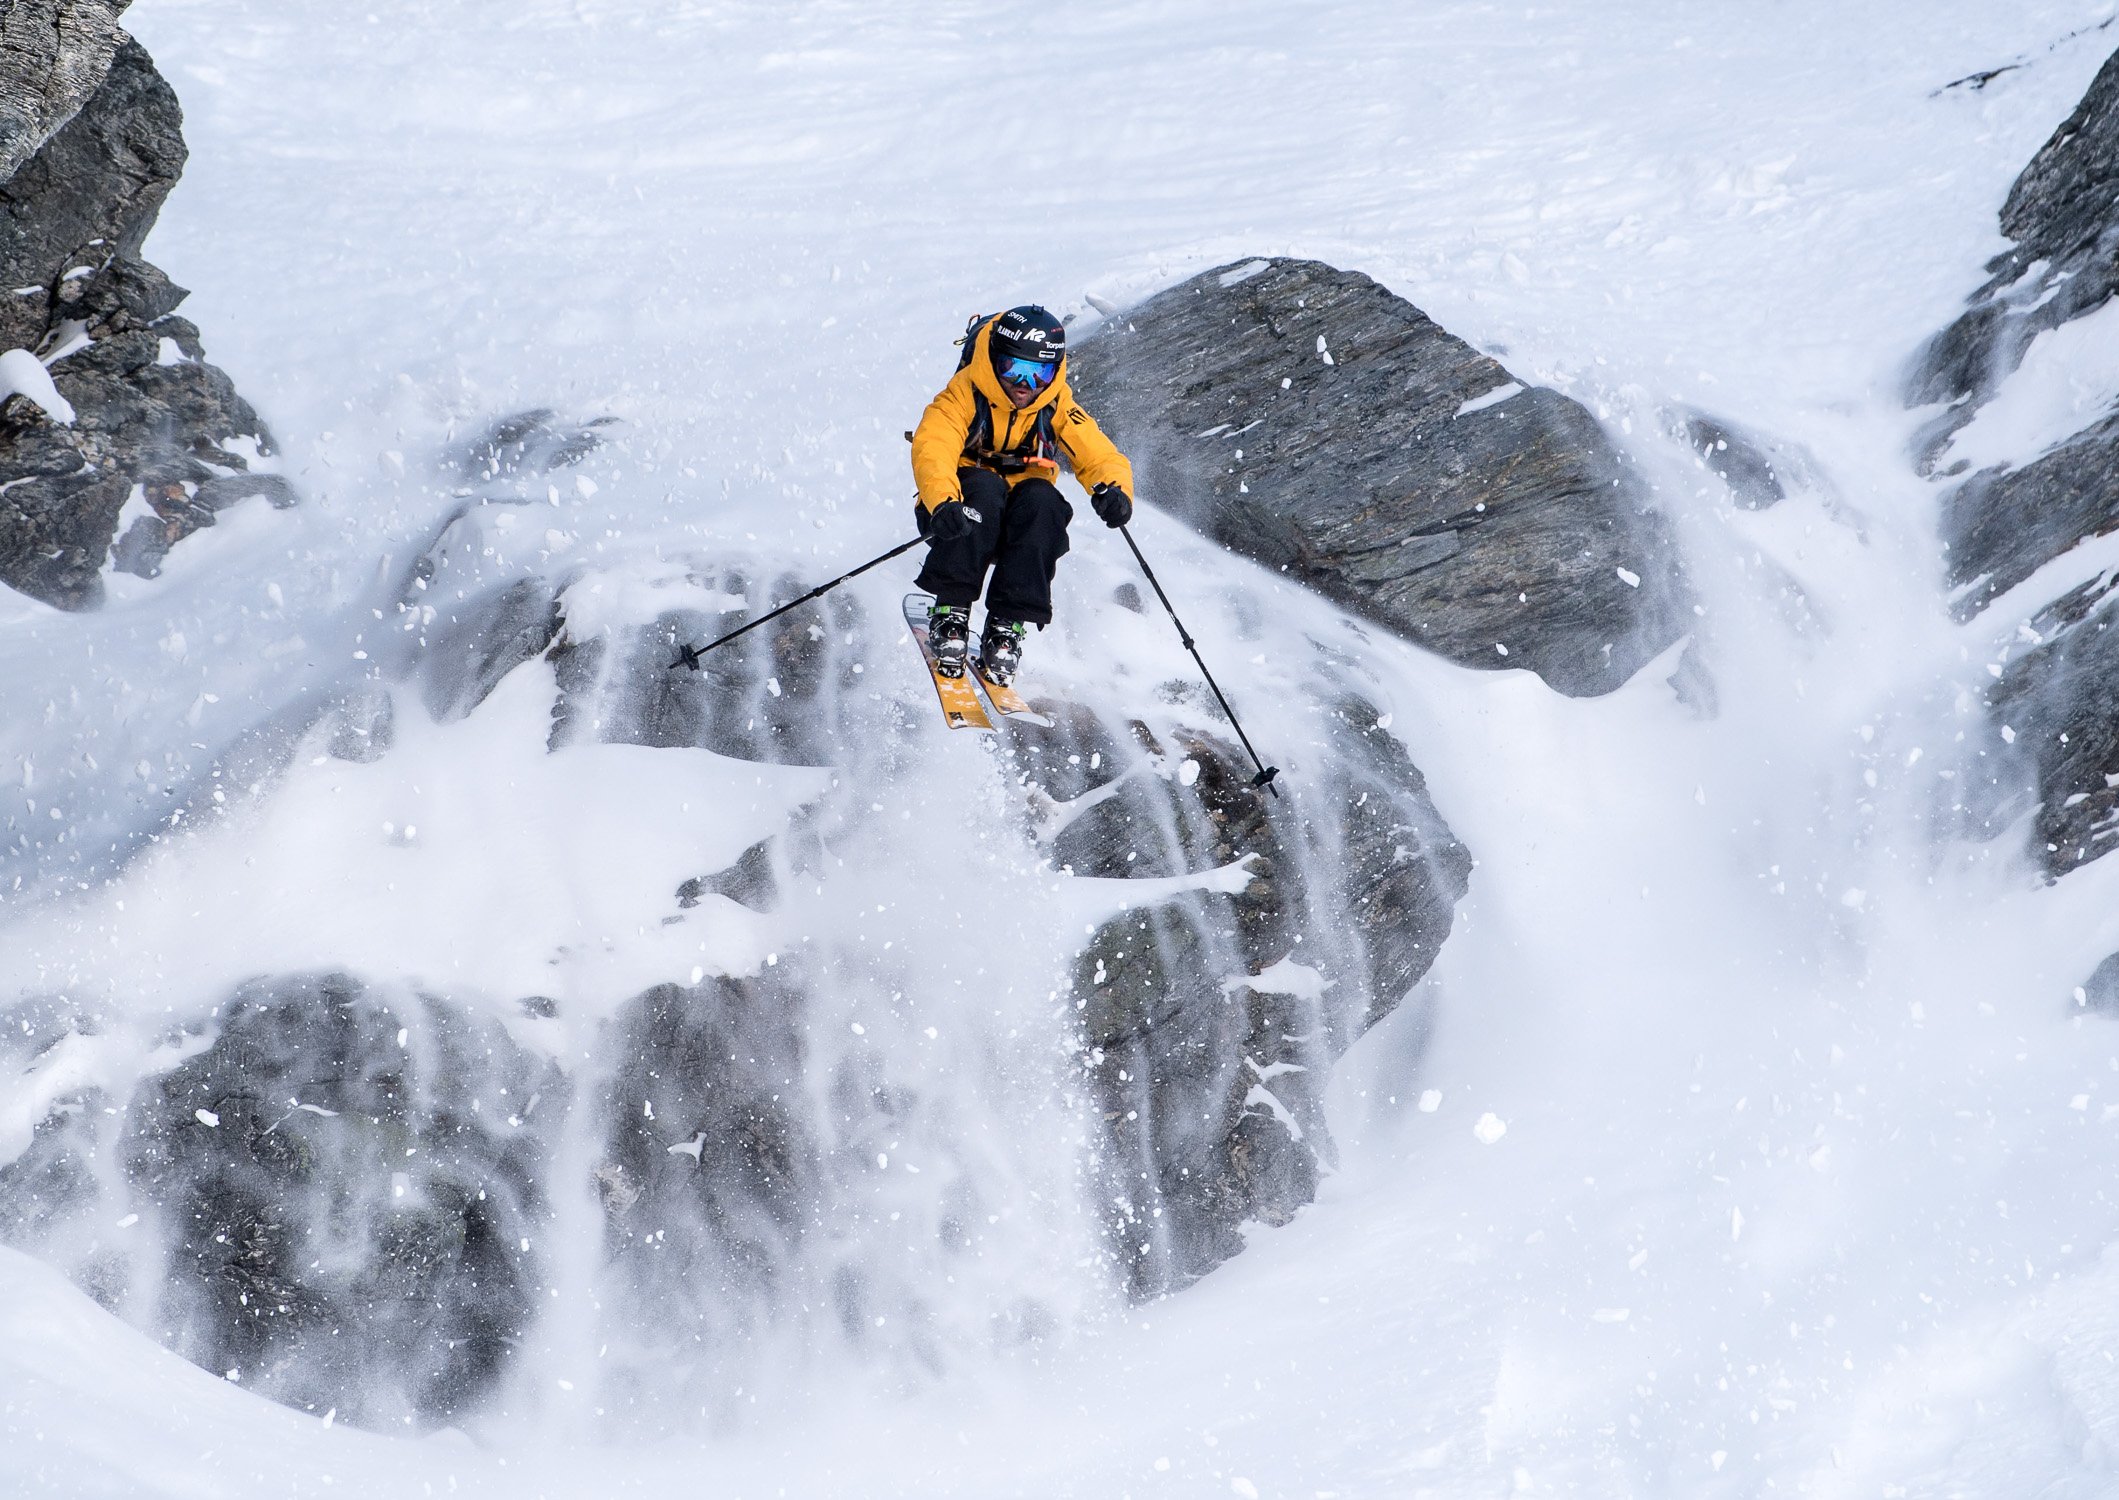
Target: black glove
[[1112, 505], [948, 523]]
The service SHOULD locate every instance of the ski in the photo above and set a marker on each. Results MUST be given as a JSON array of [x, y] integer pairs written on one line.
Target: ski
[[960, 700], [1006, 701]]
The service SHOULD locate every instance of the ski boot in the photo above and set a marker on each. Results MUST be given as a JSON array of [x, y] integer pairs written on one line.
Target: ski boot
[[949, 638], [1001, 649]]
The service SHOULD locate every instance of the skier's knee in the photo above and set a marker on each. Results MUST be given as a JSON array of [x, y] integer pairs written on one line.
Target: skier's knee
[[983, 490], [1042, 504]]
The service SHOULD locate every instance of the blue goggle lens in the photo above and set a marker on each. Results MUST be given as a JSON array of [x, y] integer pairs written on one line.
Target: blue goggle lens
[[1033, 374]]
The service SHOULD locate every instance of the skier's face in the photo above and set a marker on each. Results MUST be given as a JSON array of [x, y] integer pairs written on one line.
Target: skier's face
[[1024, 379]]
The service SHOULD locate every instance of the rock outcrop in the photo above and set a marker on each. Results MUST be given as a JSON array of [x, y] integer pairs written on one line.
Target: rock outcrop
[[53, 55], [91, 142], [2004, 522], [1210, 1021], [1306, 417], [2052, 750], [357, 1193], [2064, 264]]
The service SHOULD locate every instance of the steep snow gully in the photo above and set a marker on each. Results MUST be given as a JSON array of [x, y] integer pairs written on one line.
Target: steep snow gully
[[1660, 1044]]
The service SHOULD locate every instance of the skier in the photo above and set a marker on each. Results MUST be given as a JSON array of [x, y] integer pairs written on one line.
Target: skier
[[985, 456]]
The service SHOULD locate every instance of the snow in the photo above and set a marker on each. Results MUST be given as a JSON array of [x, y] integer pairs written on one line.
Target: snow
[[2069, 378], [1284, 977], [739, 229], [23, 374], [440, 865]]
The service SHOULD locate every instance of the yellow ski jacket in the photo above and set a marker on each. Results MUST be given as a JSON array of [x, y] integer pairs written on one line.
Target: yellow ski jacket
[[972, 422]]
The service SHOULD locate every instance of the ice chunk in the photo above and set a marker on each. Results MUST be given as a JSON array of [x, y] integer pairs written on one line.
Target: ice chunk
[[1494, 397]]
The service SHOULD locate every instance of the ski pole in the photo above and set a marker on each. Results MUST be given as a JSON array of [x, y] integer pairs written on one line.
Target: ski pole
[[1266, 773], [688, 656]]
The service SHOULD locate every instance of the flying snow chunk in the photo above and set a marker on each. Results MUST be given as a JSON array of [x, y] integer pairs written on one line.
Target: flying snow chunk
[[1630, 578], [207, 1118], [1430, 1101], [1491, 1128], [1611, 1314], [1188, 773], [690, 1148]]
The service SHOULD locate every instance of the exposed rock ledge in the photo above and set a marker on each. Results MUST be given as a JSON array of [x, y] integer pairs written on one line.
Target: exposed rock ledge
[[91, 141]]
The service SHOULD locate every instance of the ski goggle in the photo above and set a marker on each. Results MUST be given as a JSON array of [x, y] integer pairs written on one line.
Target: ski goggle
[[1030, 374]]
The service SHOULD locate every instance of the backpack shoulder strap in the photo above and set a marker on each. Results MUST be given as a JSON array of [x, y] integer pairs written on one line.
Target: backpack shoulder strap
[[970, 339], [978, 437]]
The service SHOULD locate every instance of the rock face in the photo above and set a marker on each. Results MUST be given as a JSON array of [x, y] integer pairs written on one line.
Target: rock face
[[1308, 418], [263, 1156], [1750, 465], [2053, 748], [2003, 523], [90, 144], [2065, 263], [53, 54], [340, 1180]]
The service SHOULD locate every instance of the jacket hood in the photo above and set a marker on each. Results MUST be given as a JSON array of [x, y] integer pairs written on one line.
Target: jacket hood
[[989, 384]]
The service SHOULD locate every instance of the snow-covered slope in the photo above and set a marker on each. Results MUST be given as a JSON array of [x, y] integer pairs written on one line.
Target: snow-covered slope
[[1744, 1136]]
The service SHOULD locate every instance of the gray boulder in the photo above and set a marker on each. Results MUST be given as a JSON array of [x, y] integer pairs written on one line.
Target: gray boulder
[[151, 416], [1307, 418]]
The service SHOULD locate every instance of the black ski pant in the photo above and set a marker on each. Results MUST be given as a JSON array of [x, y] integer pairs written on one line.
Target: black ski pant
[[1020, 532]]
